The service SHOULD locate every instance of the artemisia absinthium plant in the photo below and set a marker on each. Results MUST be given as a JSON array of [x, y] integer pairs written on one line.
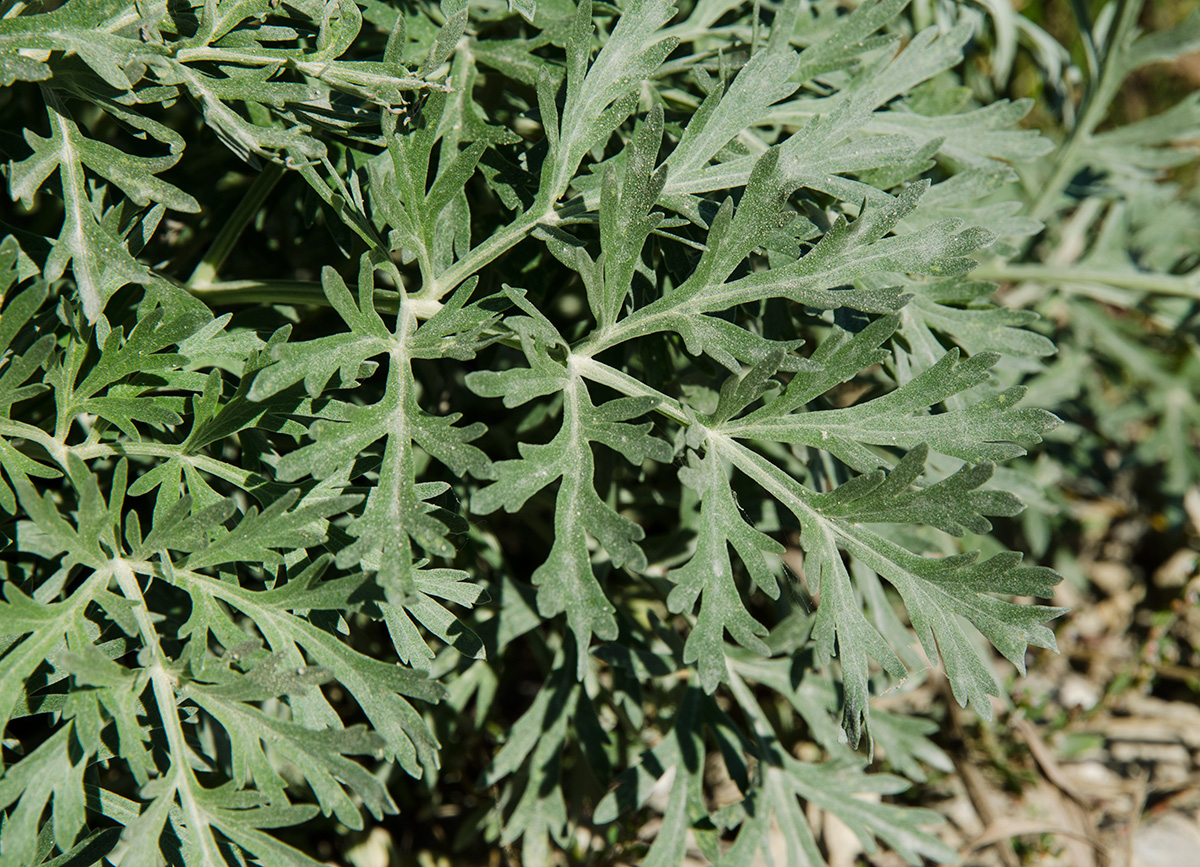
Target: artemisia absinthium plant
[[569, 399]]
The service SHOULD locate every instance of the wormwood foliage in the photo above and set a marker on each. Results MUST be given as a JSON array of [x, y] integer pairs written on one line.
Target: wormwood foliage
[[398, 398]]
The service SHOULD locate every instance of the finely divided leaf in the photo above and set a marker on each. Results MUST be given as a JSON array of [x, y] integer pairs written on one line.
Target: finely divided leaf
[[566, 581], [709, 573]]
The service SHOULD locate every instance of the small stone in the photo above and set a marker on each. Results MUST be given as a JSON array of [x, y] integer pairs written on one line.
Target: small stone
[[1092, 775], [1078, 691], [1169, 775], [1133, 751], [1172, 841], [1110, 576], [1178, 569]]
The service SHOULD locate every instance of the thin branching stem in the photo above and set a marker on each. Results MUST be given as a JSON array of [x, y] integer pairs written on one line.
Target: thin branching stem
[[1137, 283], [1096, 101], [210, 264]]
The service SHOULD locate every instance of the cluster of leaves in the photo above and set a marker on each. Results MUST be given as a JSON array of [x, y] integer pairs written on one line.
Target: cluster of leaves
[[258, 559], [1116, 271]]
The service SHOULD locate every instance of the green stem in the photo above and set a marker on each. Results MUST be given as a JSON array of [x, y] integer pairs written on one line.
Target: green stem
[[90, 451], [1157, 284], [14, 429], [302, 292], [1084, 19], [1095, 107], [212, 466], [228, 237], [599, 372], [479, 256], [764, 734], [426, 302], [165, 698]]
